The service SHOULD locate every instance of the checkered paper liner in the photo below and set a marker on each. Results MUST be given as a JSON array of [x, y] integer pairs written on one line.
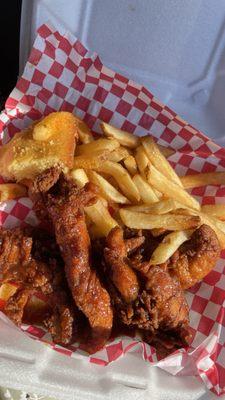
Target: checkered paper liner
[[61, 74]]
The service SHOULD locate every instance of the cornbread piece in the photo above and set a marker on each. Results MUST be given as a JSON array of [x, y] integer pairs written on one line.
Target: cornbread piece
[[49, 142]]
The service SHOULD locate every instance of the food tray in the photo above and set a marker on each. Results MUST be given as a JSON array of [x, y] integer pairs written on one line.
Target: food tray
[[134, 376]]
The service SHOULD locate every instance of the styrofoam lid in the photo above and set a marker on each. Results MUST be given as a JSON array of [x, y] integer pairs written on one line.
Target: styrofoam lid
[[176, 47]]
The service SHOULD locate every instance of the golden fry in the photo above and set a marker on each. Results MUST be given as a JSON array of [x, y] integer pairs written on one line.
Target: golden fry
[[122, 177], [158, 160], [124, 138], [168, 246], [170, 189], [208, 178], [98, 145], [107, 190], [137, 220], [7, 290], [90, 161], [84, 133], [147, 194], [119, 154], [79, 176], [160, 207], [101, 217], [215, 210], [130, 165], [208, 220], [141, 159]]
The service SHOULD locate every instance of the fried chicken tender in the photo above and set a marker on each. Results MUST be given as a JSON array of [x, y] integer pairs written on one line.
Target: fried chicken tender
[[160, 306], [14, 308], [39, 187], [15, 250], [196, 257], [65, 205], [159, 309], [32, 276], [115, 254], [168, 307]]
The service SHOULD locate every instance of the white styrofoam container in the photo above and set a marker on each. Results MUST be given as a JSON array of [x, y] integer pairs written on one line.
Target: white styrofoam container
[[175, 48]]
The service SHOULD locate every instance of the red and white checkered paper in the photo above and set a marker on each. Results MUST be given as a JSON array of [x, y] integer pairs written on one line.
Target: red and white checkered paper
[[61, 74]]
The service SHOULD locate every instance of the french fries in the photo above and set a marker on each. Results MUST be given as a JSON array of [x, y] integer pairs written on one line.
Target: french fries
[[79, 176], [130, 165], [158, 160], [147, 194], [219, 224], [97, 146], [160, 207], [122, 177], [85, 135], [124, 138], [128, 139], [206, 219], [9, 191], [7, 290], [101, 217], [166, 206], [107, 190], [141, 159], [215, 210], [168, 246], [90, 161], [119, 154], [138, 220], [208, 178], [170, 189]]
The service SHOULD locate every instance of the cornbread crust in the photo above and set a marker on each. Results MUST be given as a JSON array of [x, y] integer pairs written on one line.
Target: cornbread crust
[[24, 157]]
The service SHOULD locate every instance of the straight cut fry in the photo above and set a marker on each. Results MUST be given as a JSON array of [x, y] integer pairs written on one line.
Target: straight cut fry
[[7, 290], [161, 207], [84, 133], [107, 190], [136, 220], [208, 178], [141, 159], [208, 220], [79, 176], [130, 165], [90, 161], [9, 191], [123, 179], [168, 246], [101, 217], [97, 145], [125, 138], [118, 154], [170, 189], [158, 160], [146, 192], [215, 210]]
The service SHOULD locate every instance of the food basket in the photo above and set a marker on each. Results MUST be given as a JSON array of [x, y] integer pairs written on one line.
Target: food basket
[[62, 74]]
